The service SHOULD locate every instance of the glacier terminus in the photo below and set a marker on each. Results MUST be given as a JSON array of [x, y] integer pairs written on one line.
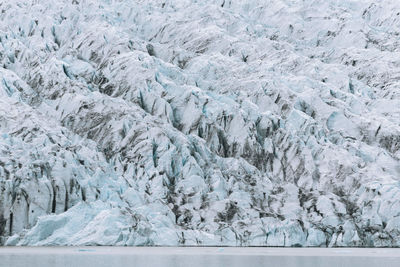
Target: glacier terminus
[[200, 123]]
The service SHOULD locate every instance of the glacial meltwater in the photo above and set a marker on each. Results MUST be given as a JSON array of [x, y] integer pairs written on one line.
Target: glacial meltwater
[[197, 257]]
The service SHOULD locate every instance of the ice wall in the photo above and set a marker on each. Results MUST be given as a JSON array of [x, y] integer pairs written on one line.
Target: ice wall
[[200, 123]]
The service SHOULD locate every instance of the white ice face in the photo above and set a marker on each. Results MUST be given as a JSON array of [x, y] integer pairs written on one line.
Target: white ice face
[[218, 122]]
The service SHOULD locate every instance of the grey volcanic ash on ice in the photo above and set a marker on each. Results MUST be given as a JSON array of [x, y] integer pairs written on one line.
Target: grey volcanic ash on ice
[[220, 122]]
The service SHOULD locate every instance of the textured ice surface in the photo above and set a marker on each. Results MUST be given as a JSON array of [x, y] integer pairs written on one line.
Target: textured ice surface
[[200, 123]]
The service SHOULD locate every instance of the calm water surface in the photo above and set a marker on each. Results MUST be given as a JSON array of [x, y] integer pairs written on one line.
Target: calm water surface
[[196, 257]]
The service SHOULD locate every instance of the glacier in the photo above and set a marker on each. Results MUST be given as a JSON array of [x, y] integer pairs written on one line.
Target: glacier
[[200, 123]]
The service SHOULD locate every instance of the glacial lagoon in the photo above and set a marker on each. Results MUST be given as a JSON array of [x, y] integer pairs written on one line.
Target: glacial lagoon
[[197, 257]]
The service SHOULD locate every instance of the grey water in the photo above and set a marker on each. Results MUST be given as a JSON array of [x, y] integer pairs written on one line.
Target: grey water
[[197, 257]]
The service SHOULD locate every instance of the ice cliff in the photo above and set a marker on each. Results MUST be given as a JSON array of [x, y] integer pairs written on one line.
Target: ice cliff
[[218, 122]]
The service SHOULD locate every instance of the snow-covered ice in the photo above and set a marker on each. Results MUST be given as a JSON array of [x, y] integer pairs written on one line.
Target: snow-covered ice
[[216, 122]]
